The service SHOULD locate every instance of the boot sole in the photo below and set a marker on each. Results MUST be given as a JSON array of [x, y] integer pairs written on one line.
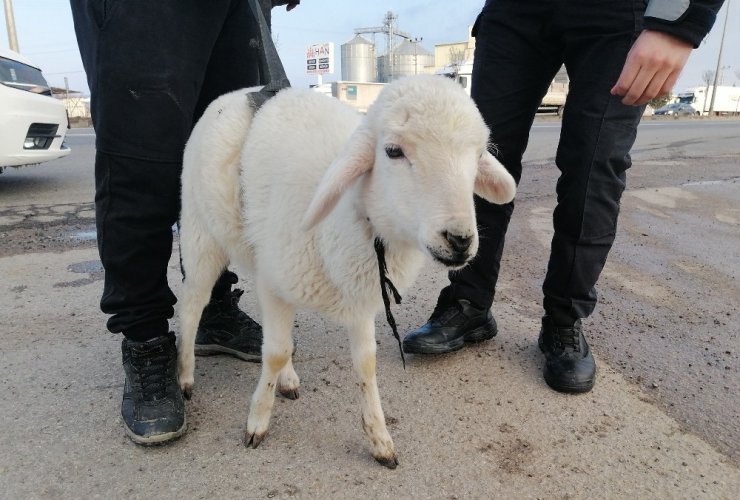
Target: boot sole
[[215, 349], [559, 386], [480, 334], [157, 439]]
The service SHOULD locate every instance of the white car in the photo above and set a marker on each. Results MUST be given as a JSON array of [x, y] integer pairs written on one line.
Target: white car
[[32, 123]]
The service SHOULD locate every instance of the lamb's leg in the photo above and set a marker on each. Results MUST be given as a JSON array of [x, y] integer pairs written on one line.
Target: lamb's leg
[[362, 343], [203, 261], [277, 348]]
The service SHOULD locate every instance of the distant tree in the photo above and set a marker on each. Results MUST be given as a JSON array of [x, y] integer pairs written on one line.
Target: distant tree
[[708, 77], [660, 101], [457, 58]]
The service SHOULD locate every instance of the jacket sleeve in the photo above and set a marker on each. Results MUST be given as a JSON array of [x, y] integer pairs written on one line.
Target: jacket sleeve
[[689, 20]]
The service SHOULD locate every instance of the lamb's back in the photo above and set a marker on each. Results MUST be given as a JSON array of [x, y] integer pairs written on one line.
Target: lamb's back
[[292, 141]]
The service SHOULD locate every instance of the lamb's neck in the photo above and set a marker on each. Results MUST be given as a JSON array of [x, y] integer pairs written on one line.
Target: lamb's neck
[[350, 225]]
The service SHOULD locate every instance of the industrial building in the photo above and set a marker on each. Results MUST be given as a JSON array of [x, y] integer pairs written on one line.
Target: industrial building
[[365, 69]]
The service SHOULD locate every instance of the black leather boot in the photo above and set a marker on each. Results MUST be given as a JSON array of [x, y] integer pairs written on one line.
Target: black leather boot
[[569, 364], [449, 327]]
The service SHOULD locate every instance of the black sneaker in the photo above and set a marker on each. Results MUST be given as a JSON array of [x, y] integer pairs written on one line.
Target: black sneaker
[[569, 364], [449, 327], [226, 329], [153, 410]]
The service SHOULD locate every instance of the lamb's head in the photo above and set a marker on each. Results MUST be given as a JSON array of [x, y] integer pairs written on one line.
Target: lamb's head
[[419, 156]]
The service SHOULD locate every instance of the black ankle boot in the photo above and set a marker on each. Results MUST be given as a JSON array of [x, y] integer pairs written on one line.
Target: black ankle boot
[[569, 364], [226, 329], [449, 327], [153, 409]]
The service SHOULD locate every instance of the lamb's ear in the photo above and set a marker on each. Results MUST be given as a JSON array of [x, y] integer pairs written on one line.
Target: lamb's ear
[[493, 182], [356, 158]]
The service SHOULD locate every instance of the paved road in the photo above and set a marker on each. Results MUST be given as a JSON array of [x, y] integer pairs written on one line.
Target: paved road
[[663, 420]]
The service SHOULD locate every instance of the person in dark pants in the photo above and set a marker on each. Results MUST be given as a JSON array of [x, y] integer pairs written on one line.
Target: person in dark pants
[[618, 55], [153, 68]]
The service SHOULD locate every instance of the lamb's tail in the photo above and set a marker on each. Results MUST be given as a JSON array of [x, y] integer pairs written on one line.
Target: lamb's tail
[[211, 165]]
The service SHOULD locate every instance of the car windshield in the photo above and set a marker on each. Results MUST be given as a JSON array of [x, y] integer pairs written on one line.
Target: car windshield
[[22, 76]]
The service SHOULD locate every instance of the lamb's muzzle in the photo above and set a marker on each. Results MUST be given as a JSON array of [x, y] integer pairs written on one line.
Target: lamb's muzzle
[[299, 202]]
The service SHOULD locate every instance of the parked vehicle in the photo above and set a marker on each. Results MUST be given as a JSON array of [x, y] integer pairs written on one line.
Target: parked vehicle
[[727, 101], [553, 102], [677, 109], [33, 124]]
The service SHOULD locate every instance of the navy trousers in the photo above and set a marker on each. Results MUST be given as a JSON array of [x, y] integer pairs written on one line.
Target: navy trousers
[[519, 48], [152, 67]]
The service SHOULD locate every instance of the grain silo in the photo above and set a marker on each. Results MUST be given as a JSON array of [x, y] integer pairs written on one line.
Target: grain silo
[[409, 58], [358, 60]]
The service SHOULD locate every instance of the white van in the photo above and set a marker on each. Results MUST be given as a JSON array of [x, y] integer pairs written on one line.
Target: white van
[[32, 123], [553, 102]]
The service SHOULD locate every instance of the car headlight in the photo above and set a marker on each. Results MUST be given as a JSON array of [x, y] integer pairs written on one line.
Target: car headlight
[[21, 76]]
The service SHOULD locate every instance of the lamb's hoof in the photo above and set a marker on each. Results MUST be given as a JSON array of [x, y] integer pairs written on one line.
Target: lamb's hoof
[[187, 391], [288, 393], [390, 462], [253, 440]]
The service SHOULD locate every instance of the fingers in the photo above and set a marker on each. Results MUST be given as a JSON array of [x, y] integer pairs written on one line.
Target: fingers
[[627, 77], [651, 68], [657, 86]]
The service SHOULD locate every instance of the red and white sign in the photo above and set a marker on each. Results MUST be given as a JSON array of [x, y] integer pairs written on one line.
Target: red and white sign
[[320, 59]]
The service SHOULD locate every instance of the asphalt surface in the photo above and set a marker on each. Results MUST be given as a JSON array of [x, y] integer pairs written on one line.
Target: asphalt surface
[[662, 421]]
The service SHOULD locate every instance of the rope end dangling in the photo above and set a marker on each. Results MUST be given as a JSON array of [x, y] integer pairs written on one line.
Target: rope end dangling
[[385, 281]]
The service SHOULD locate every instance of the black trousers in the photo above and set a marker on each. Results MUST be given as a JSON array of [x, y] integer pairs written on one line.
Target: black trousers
[[152, 67], [519, 48]]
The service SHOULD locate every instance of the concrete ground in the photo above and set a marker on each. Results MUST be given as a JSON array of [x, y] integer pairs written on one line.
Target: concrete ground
[[479, 423]]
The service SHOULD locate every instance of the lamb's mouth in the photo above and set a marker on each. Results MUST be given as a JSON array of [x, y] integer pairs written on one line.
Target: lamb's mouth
[[456, 261]]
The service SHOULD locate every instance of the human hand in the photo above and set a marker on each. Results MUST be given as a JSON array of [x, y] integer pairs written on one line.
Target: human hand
[[652, 67], [291, 4]]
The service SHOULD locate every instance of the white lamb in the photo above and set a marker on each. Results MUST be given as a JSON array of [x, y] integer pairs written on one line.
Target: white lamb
[[298, 192]]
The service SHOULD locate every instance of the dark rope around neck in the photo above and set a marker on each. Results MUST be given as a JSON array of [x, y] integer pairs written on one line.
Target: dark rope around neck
[[386, 281]]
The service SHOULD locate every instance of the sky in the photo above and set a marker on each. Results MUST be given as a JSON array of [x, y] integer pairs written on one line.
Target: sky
[[46, 35]]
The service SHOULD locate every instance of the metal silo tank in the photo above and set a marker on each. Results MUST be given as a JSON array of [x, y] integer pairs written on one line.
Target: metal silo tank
[[358, 60], [410, 59]]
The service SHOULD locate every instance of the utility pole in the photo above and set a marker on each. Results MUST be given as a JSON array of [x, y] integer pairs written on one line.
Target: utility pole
[[10, 23], [416, 42], [719, 60]]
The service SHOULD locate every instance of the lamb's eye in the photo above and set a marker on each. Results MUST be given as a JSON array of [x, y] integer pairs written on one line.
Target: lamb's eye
[[393, 151]]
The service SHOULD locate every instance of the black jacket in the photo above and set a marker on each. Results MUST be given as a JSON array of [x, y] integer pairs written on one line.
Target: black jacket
[[689, 20]]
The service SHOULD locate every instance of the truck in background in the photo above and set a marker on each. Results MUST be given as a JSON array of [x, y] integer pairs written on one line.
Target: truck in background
[[727, 101], [552, 103]]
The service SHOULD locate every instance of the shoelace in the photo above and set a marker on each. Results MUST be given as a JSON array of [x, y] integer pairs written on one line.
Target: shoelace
[[152, 370], [232, 299], [234, 296], [443, 312], [567, 338]]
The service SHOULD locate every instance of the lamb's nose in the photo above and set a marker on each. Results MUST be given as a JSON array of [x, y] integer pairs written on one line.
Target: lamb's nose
[[459, 243]]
